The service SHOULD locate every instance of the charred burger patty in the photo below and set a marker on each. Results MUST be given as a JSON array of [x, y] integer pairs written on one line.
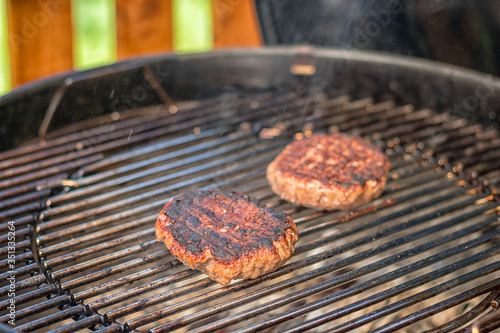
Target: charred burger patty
[[226, 235], [329, 171]]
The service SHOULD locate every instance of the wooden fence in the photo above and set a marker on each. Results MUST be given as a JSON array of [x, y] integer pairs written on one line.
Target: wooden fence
[[41, 32]]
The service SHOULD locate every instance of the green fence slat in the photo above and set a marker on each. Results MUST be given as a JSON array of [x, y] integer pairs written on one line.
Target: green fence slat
[[192, 25], [95, 33], [5, 82]]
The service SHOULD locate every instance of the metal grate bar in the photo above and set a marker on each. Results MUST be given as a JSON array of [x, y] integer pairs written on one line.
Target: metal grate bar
[[363, 113], [408, 301], [177, 292], [45, 291], [486, 166], [110, 257], [348, 117], [40, 307], [11, 214], [113, 299], [45, 163], [111, 329], [28, 197], [95, 238], [72, 312], [126, 280], [438, 131], [19, 245], [20, 271], [116, 269], [332, 113], [421, 314], [94, 137], [349, 106], [488, 323], [23, 244], [24, 284], [21, 222], [54, 170], [475, 153], [435, 125], [86, 322], [465, 137], [34, 186], [21, 233], [382, 296], [403, 123], [468, 316]]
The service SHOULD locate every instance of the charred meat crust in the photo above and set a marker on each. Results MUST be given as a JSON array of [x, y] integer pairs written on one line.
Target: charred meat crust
[[226, 234], [329, 171]]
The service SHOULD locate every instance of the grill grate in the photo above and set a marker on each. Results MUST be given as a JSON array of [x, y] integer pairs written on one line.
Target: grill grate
[[424, 256]]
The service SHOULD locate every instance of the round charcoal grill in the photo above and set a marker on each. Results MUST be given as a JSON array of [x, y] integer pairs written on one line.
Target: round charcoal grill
[[89, 159]]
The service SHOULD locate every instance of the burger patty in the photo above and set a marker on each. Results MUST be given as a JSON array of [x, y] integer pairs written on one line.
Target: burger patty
[[226, 235], [329, 172]]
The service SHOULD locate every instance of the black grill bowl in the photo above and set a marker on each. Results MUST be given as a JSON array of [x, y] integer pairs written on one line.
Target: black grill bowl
[[88, 159]]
